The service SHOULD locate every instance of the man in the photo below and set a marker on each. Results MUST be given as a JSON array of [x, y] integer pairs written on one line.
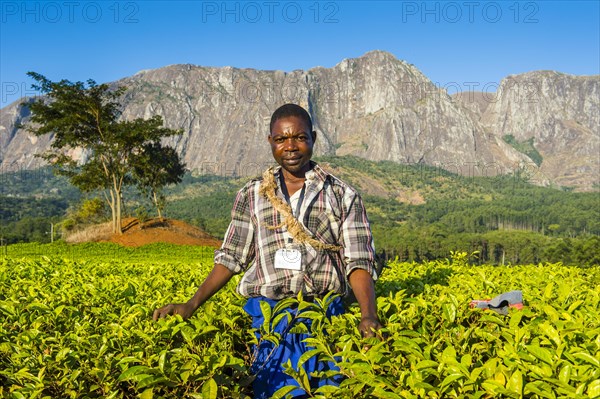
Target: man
[[296, 229]]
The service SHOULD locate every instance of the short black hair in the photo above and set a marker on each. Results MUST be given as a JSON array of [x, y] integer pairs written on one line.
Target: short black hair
[[291, 110]]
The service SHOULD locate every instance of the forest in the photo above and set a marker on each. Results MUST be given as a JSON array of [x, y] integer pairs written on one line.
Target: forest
[[499, 220]]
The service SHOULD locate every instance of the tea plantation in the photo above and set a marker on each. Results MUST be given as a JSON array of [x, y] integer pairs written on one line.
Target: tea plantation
[[75, 322]]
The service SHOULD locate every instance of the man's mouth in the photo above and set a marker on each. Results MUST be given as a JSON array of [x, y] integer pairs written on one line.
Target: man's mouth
[[292, 160]]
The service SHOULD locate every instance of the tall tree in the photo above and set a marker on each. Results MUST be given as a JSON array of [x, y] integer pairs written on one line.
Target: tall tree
[[154, 168], [84, 117]]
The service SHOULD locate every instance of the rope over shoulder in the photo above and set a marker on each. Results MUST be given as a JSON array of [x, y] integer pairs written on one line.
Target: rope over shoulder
[[267, 189]]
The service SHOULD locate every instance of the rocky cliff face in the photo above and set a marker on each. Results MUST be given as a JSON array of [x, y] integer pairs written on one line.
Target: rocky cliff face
[[374, 106], [561, 113]]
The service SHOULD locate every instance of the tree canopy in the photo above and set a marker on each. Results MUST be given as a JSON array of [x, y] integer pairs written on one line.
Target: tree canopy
[[94, 147], [155, 167]]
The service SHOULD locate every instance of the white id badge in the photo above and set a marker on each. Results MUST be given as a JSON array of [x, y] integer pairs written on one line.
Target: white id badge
[[288, 258]]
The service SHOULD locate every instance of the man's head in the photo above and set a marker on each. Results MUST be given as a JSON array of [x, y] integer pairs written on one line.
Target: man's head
[[292, 138], [291, 110]]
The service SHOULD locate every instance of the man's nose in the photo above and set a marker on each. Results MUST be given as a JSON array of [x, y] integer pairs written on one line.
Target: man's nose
[[290, 144]]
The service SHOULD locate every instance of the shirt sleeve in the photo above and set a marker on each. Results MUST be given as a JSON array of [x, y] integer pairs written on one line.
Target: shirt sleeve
[[237, 250], [356, 236]]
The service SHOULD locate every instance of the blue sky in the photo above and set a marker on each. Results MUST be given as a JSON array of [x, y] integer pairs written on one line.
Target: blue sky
[[457, 44]]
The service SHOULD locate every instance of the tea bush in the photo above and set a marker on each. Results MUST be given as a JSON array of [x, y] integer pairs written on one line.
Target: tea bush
[[78, 325]]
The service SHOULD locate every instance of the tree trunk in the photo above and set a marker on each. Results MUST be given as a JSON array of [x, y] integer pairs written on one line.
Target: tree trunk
[[125, 211], [119, 228], [117, 196], [157, 206], [113, 211]]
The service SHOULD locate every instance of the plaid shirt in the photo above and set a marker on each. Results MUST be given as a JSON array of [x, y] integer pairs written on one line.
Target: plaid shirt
[[332, 212]]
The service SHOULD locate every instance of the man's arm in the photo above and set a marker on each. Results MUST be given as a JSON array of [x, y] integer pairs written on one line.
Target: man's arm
[[218, 277], [235, 253], [364, 291], [359, 258]]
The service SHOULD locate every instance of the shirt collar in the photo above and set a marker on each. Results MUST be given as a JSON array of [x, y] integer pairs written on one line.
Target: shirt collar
[[315, 172]]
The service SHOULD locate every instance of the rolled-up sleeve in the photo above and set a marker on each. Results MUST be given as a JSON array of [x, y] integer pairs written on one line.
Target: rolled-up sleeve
[[237, 250], [356, 236]]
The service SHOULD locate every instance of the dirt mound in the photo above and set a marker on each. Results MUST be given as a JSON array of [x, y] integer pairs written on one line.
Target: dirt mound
[[170, 231]]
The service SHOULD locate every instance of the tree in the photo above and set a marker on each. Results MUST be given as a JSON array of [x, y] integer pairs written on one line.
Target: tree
[[155, 167], [89, 211], [85, 117]]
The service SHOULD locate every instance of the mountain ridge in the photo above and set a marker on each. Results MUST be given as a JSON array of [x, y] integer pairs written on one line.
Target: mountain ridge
[[374, 106]]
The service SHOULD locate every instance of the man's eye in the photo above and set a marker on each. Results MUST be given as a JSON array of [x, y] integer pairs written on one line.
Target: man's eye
[[301, 138], [279, 140]]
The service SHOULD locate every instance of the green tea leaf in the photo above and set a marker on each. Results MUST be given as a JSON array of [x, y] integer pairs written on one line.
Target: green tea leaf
[[307, 355], [575, 305], [282, 392], [542, 354], [449, 380], [548, 291], [565, 373], [210, 389], [379, 392], [515, 383], [593, 390], [551, 333], [327, 390], [162, 360], [586, 357], [265, 309], [449, 312], [424, 364], [132, 372], [541, 388]]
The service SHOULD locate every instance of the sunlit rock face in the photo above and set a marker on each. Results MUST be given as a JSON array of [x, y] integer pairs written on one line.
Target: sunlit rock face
[[375, 106]]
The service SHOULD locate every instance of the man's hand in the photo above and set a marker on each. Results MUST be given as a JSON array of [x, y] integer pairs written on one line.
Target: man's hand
[[217, 278], [368, 326], [183, 309], [364, 291]]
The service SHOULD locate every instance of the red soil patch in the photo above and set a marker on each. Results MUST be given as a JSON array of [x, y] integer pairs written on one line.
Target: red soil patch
[[167, 230]]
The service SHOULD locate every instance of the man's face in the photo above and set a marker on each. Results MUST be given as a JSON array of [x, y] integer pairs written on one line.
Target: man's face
[[292, 144]]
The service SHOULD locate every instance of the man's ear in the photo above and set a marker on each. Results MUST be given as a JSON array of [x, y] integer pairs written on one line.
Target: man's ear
[[314, 135]]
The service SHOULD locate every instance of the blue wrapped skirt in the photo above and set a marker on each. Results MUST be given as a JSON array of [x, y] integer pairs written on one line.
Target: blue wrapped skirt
[[268, 369]]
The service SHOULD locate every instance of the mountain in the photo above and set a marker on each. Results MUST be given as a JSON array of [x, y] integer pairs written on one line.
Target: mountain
[[560, 115], [375, 106]]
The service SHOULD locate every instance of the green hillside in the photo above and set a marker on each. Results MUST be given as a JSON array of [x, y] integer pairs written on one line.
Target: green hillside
[[421, 213], [417, 212]]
